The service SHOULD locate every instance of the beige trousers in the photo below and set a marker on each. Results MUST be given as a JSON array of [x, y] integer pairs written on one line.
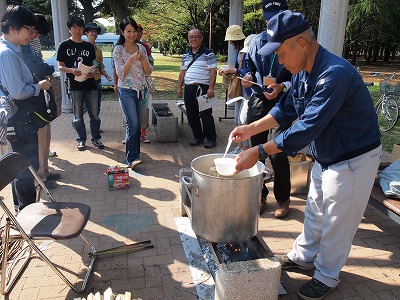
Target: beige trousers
[[44, 137], [145, 118]]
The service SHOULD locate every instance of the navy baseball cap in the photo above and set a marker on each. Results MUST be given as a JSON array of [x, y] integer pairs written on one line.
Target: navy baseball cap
[[271, 8], [281, 27]]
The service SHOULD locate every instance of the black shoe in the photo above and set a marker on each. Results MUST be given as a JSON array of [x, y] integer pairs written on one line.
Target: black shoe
[[80, 146], [53, 176], [313, 290], [98, 144], [50, 185], [196, 142], [287, 263], [210, 144]]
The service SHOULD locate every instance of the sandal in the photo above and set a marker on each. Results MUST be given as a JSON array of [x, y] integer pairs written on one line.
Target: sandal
[[134, 164]]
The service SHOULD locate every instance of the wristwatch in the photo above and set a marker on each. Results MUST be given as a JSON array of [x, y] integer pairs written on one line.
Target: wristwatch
[[262, 155], [284, 88]]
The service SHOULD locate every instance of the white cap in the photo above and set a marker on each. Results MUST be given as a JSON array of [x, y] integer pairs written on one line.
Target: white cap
[[247, 42]]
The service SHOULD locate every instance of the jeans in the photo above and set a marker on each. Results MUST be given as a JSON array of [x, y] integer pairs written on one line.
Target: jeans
[[90, 99], [131, 105], [99, 94], [195, 118], [25, 142]]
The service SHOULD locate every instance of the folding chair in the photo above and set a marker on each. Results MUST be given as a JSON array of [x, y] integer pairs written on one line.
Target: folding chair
[[41, 220]]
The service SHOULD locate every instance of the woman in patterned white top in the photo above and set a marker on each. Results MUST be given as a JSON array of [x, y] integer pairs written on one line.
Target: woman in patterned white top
[[131, 65]]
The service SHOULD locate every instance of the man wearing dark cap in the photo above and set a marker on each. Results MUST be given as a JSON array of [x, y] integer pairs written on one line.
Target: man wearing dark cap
[[92, 31], [265, 70], [336, 117]]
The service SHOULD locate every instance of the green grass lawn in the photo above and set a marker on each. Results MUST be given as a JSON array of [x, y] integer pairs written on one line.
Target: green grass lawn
[[166, 73], [393, 136]]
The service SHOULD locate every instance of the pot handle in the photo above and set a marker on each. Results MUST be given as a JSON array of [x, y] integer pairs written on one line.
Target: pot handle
[[187, 182]]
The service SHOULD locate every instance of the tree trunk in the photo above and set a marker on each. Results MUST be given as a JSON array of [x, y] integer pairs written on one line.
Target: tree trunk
[[120, 11], [369, 55], [386, 54], [89, 12], [375, 53], [355, 50]]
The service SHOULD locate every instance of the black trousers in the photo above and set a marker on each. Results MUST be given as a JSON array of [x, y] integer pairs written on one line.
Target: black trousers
[[23, 140], [201, 123], [258, 108]]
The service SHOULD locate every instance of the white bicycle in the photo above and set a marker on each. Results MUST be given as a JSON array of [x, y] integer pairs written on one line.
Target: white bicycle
[[387, 107]]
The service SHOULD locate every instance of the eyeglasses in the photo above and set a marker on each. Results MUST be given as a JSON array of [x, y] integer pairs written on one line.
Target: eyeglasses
[[93, 31], [31, 30], [194, 37]]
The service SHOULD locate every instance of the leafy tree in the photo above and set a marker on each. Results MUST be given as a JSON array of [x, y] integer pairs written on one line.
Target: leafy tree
[[372, 29], [170, 21], [372, 26], [253, 21]]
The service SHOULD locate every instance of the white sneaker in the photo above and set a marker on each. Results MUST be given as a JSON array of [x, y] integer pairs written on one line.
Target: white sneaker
[[52, 153]]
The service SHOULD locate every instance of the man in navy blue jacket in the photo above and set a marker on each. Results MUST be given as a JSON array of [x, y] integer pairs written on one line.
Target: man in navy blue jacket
[[336, 117]]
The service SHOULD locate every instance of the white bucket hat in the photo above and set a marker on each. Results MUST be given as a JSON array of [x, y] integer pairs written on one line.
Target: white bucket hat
[[234, 33]]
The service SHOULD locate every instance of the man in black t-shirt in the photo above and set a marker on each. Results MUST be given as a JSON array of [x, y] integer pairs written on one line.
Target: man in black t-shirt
[[72, 56]]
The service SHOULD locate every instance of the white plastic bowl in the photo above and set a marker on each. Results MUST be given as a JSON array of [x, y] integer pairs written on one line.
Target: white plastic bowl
[[225, 166]]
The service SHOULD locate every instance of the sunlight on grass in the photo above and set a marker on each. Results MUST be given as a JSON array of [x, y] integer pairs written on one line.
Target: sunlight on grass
[[393, 136], [166, 74]]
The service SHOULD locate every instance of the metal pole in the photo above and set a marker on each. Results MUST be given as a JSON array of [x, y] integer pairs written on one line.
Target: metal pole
[[210, 37], [59, 10], [332, 25], [3, 6], [236, 8]]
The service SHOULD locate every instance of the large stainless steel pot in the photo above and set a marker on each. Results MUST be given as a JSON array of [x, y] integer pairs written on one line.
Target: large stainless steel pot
[[223, 209]]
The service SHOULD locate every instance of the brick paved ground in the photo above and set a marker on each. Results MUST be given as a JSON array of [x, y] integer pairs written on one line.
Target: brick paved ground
[[147, 211]]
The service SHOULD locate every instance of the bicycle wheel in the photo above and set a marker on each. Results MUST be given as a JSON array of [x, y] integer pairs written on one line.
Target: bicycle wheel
[[388, 113]]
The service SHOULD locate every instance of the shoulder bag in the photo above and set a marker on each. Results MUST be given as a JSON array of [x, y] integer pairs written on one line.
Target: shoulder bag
[[204, 101], [42, 109], [234, 87]]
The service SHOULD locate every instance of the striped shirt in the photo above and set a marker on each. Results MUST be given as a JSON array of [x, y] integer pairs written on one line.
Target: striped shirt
[[199, 71], [36, 45]]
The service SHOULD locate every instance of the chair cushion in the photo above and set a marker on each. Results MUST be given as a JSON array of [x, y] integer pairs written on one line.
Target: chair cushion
[[56, 220]]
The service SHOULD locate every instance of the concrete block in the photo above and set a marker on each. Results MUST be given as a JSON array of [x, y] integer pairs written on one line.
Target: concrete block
[[166, 124], [253, 279]]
